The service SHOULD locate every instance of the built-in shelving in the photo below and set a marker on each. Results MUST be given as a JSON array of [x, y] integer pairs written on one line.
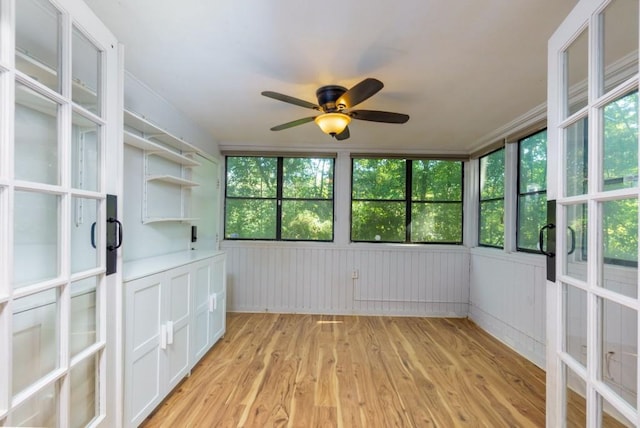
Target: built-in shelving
[[167, 165], [172, 180]]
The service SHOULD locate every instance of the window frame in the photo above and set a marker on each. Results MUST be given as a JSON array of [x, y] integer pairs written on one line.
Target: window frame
[[279, 198], [408, 201], [526, 194], [482, 201]]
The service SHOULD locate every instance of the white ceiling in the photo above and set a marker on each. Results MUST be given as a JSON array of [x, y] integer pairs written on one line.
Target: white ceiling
[[460, 68]]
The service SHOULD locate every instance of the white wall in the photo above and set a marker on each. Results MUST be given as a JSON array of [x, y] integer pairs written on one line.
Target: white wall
[[507, 299], [154, 239], [317, 278]]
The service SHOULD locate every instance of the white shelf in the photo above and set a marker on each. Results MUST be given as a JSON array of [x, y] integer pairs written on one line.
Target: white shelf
[[157, 150], [153, 131], [168, 219], [172, 180]]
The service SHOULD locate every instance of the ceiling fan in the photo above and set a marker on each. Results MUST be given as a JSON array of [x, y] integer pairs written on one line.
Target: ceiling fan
[[335, 104]]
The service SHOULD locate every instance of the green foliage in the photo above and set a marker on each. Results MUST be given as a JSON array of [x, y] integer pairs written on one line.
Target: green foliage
[[436, 180], [378, 221], [307, 220], [532, 215], [491, 218], [252, 190], [307, 178], [620, 229], [379, 201], [434, 222], [620, 151], [379, 179], [492, 223], [492, 175], [250, 219], [532, 198]]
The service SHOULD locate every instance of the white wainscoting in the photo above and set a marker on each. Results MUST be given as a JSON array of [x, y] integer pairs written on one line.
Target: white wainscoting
[[507, 299], [391, 280]]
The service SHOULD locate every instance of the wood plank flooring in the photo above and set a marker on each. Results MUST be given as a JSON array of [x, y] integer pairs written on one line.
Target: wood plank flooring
[[275, 370]]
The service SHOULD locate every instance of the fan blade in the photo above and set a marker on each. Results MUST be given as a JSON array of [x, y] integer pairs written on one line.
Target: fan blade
[[291, 100], [293, 123], [363, 90], [379, 116], [343, 135]]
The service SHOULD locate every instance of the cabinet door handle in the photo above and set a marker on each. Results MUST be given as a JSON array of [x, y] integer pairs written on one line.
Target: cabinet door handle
[[93, 235], [163, 336], [118, 243], [169, 332], [213, 302]]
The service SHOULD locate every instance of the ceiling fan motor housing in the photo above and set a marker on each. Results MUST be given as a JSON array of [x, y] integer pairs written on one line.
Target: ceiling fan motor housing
[[327, 96]]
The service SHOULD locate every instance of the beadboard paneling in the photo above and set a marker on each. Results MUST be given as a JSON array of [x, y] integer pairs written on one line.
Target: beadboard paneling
[[507, 299], [288, 278]]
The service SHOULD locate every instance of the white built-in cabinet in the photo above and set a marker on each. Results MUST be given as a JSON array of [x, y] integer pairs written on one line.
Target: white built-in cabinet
[[172, 317], [167, 170]]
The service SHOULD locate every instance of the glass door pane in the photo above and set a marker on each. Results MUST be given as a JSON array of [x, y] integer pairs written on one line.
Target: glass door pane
[[38, 41], [576, 72], [37, 149], [86, 73], [619, 44], [86, 153], [36, 247], [85, 237]]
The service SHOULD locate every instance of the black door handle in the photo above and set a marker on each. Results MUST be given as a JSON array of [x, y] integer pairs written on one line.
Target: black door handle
[[93, 235], [573, 240], [541, 239], [119, 228]]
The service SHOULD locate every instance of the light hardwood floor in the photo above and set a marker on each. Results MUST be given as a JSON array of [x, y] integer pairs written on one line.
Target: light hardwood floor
[[275, 370]]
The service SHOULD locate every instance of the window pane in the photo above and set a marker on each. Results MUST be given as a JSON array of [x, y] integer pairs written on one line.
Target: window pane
[[36, 137], [492, 223], [532, 215], [307, 220], [620, 157], [379, 179], [575, 318], [378, 221], [35, 245], [250, 219], [307, 178], [39, 410], [37, 41], [433, 222], [620, 42], [83, 323], [576, 66], [620, 349], [576, 242], [620, 232], [492, 175], [252, 177], [85, 72], [86, 148], [85, 214], [436, 180], [533, 163], [84, 396], [576, 156], [35, 338]]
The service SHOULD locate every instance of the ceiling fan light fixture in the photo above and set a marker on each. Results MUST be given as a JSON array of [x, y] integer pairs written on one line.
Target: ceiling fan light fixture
[[333, 123]]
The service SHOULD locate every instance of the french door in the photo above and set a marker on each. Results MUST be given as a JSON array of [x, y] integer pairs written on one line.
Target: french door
[[592, 304], [59, 158]]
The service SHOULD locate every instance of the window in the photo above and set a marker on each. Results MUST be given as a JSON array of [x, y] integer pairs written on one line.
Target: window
[[279, 198], [532, 190], [491, 215], [406, 200]]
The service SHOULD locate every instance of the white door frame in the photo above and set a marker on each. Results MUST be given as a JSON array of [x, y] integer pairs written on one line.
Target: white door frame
[[585, 15]]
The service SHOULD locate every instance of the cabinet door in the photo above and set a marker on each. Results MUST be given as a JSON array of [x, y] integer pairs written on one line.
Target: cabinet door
[[200, 334], [219, 295], [178, 318], [143, 344]]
